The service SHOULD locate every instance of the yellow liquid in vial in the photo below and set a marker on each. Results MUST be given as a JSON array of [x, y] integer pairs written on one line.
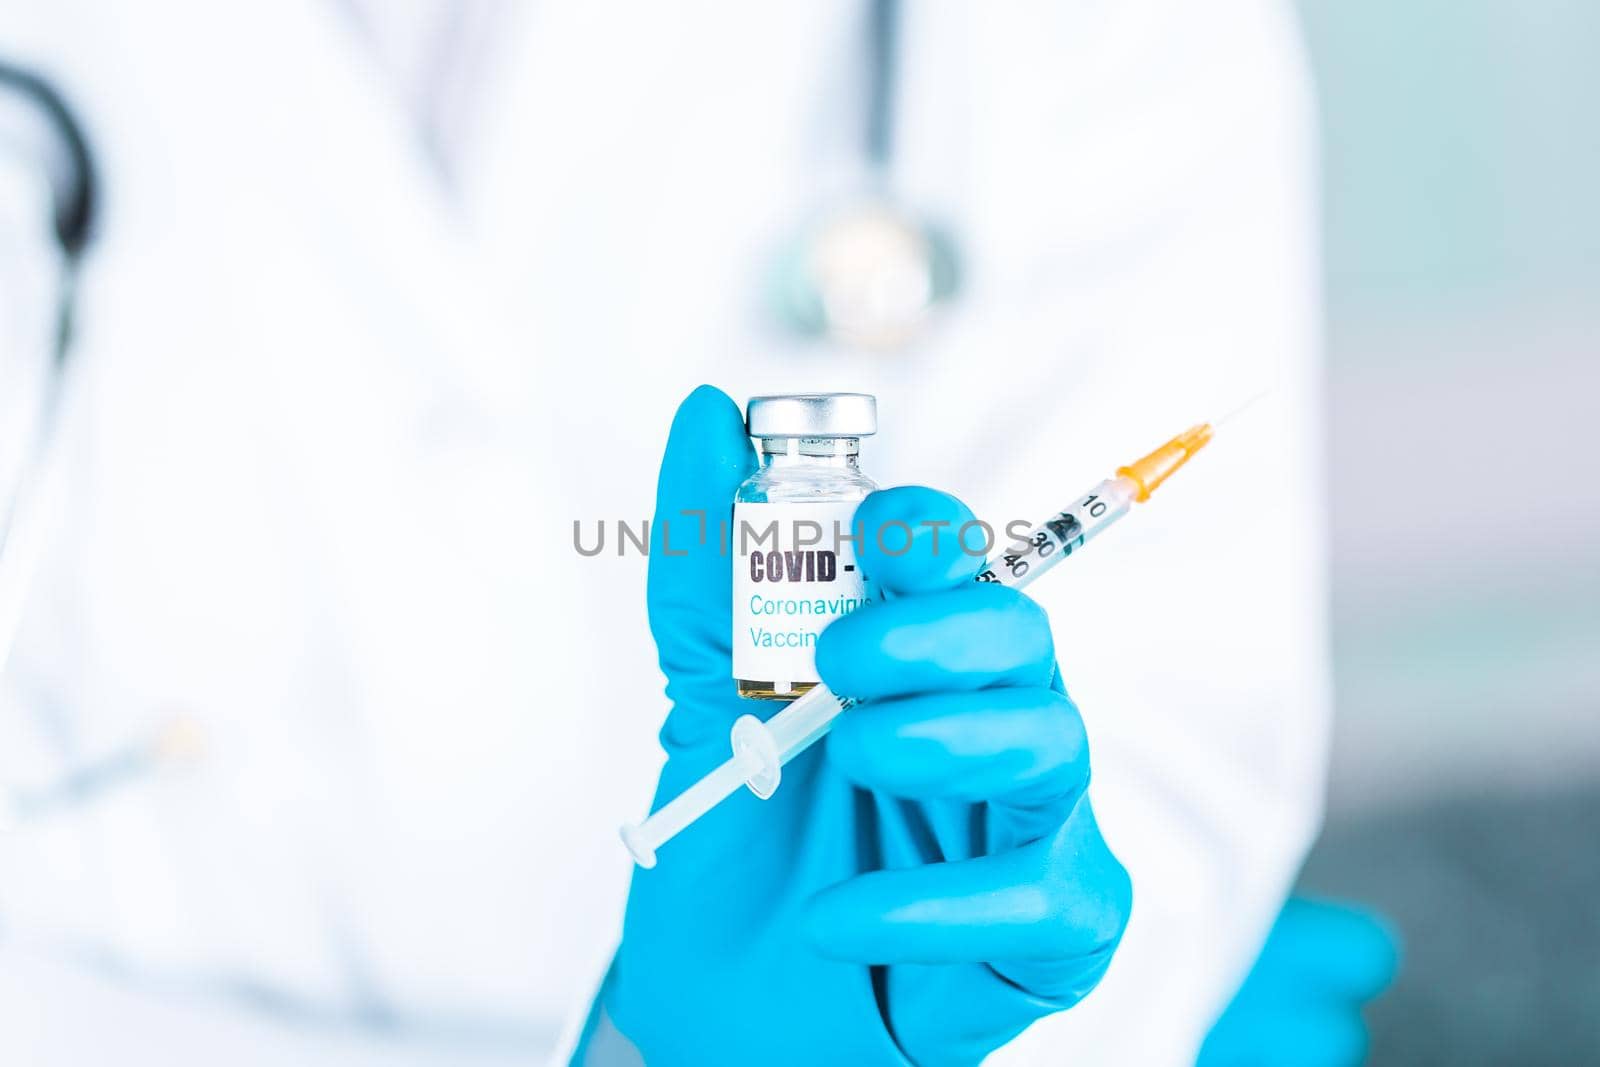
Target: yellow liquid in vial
[[772, 690]]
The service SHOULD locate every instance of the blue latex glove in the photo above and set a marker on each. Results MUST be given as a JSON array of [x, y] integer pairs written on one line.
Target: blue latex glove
[[927, 881], [1300, 1006]]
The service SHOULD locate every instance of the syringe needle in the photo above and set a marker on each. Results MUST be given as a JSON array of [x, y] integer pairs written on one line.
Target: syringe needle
[[1243, 406]]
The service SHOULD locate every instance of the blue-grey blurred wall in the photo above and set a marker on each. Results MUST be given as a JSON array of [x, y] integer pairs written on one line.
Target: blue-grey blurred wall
[[1462, 170]]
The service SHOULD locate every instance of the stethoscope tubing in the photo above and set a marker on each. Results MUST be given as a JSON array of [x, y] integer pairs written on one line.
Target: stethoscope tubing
[[74, 184]]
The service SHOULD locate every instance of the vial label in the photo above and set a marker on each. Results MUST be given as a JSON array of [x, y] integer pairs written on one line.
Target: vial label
[[794, 572]]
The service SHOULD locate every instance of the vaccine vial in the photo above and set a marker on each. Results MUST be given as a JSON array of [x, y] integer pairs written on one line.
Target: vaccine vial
[[795, 564]]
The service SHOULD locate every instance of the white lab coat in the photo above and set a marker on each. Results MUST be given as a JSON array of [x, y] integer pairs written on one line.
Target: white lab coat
[[336, 419]]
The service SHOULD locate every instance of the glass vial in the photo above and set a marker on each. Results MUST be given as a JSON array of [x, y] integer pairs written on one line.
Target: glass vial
[[795, 565]]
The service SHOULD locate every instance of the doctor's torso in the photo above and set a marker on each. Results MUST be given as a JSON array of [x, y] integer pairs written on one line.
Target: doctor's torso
[[340, 404]]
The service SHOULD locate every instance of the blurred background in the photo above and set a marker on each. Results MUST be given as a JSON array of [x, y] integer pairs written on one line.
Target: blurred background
[[1461, 163], [1463, 265]]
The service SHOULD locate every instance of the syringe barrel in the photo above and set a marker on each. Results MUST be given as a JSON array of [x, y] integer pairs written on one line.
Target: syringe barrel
[[1056, 538]]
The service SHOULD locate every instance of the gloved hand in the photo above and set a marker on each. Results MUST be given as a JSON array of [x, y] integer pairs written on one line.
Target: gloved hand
[[1300, 1006], [929, 879]]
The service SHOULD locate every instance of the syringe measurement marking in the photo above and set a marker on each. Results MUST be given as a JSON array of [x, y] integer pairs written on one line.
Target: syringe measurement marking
[[1058, 537]]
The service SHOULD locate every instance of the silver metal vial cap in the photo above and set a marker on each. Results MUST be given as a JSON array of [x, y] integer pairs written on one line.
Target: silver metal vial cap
[[812, 415]]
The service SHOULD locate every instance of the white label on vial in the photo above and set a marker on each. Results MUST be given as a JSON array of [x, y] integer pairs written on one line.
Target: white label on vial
[[794, 572]]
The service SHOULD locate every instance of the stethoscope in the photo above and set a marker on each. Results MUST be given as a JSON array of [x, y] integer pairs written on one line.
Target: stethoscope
[[36, 123], [869, 273]]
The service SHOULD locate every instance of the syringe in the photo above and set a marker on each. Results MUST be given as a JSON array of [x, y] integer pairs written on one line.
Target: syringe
[[760, 749]]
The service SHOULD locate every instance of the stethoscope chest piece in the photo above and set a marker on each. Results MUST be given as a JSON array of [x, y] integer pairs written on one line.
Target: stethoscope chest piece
[[867, 275]]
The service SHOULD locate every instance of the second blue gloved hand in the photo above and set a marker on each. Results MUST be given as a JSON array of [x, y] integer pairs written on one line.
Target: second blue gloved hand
[[928, 880], [1301, 1004]]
